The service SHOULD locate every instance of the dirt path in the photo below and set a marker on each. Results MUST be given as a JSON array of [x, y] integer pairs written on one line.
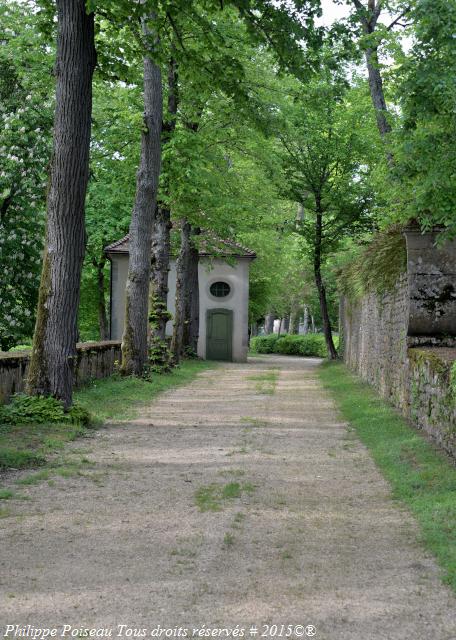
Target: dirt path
[[305, 531]]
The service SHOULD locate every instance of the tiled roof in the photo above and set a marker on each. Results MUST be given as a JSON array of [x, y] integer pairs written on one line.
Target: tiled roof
[[210, 245]]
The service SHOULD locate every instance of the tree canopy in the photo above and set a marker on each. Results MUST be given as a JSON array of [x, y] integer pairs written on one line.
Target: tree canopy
[[277, 125]]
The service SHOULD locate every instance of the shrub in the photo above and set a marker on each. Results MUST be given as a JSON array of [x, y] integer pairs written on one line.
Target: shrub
[[264, 344], [25, 409], [310, 345]]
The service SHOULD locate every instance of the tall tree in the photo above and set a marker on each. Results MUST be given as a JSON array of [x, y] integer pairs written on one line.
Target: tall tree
[[326, 163], [134, 342], [54, 342], [368, 17], [182, 288], [374, 33], [161, 243], [191, 313]]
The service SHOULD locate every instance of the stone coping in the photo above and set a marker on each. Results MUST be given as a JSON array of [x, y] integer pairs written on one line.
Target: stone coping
[[81, 346]]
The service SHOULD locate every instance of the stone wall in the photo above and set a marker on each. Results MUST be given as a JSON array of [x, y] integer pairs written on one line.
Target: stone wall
[[408, 371], [94, 360], [432, 401], [374, 336]]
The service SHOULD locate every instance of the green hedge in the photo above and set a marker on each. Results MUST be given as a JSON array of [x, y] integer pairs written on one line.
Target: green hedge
[[312, 344]]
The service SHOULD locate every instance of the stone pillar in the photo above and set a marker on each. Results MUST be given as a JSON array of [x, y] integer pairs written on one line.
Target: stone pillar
[[431, 269]]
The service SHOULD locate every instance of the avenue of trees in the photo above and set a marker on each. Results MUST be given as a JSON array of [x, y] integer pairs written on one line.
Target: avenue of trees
[[243, 118]]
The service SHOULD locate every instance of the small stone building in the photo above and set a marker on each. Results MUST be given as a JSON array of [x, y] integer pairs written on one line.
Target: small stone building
[[223, 296]]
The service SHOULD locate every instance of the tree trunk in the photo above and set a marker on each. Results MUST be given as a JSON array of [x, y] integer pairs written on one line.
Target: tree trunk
[[191, 323], [286, 324], [254, 329], [182, 268], [135, 338], [161, 248], [294, 321], [269, 323], [305, 328], [369, 23], [162, 227], [313, 328], [377, 92], [54, 340], [332, 353]]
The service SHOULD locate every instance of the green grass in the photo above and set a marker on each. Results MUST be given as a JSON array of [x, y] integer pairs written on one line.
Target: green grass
[[211, 497], [208, 498], [30, 445], [421, 477], [265, 382], [228, 540], [6, 494]]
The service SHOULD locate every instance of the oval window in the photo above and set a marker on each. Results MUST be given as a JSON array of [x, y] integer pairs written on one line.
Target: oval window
[[220, 289]]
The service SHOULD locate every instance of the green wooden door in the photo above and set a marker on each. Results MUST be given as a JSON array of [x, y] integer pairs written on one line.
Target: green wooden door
[[219, 335]]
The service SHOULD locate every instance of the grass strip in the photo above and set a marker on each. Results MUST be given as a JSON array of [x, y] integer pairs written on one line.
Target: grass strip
[[118, 398], [421, 476]]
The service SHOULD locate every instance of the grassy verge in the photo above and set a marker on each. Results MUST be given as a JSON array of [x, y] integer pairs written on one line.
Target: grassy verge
[[120, 398], [31, 445], [420, 476]]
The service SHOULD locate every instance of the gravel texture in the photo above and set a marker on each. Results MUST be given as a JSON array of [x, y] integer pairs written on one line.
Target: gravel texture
[[304, 531]]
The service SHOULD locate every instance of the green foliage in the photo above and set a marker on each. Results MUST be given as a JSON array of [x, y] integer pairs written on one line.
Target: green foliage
[[26, 105], [160, 358], [264, 344], [21, 347], [25, 409], [375, 268], [158, 311], [420, 476], [310, 345], [426, 158]]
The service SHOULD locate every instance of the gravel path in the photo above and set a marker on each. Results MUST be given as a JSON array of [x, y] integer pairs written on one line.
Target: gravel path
[[302, 528]]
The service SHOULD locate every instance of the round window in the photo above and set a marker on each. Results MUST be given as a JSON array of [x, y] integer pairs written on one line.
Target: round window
[[220, 289]]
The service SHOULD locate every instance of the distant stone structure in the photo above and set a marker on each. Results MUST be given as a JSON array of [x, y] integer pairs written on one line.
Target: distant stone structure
[[404, 342]]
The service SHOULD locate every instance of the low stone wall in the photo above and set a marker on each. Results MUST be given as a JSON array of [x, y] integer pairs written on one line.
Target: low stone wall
[[94, 360], [409, 372]]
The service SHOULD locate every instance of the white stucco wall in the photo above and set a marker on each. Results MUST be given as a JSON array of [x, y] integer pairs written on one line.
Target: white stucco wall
[[209, 271], [119, 272]]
